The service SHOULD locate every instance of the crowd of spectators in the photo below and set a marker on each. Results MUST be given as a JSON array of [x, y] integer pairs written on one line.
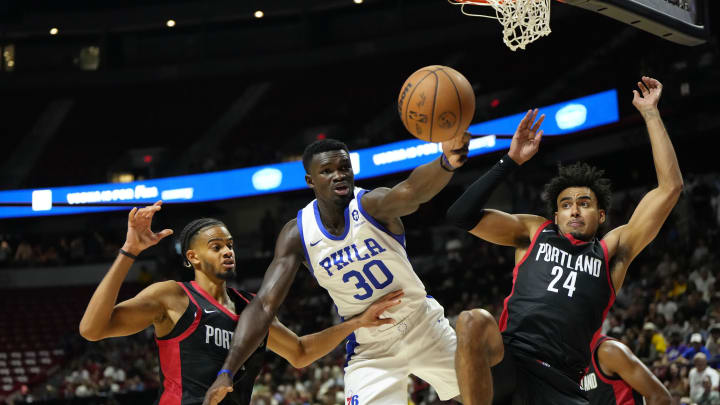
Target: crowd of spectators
[[44, 251]]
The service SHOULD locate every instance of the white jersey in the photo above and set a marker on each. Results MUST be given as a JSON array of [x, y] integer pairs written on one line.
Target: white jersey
[[360, 266]]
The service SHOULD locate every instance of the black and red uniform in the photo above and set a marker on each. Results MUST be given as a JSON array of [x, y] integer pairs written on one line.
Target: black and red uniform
[[605, 390], [561, 293], [194, 351]]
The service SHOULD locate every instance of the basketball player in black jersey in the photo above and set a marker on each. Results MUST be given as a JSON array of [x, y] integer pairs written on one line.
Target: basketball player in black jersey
[[194, 322], [617, 377], [565, 279]]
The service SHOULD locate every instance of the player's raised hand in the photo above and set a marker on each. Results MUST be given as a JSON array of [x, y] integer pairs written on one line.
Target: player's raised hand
[[139, 235], [222, 386], [649, 95], [526, 140], [371, 316], [456, 150]]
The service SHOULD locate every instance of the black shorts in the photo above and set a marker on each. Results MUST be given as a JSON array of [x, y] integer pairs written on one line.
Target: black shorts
[[521, 380]]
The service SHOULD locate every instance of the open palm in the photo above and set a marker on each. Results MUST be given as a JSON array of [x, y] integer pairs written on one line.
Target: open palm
[[139, 235], [649, 95], [526, 140]]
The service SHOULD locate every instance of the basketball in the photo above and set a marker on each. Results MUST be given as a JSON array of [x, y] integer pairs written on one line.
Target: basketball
[[436, 103]]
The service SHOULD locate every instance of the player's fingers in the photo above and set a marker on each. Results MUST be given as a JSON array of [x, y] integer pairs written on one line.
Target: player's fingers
[[533, 114], [385, 306], [523, 122], [538, 123], [131, 214], [384, 321], [636, 95], [393, 295], [538, 137], [158, 203], [164, 233]]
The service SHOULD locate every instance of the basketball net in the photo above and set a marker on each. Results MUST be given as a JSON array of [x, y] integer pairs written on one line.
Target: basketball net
[[523, 21]]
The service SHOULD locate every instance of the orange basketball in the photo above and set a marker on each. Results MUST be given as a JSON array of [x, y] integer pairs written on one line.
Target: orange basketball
[[436, 103]]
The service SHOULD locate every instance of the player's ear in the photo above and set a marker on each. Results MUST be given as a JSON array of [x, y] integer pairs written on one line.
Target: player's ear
[[192, 257], [309, 181], [602, 216], [555, 219]]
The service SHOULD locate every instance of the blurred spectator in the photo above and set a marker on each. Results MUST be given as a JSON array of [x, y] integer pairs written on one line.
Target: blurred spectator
[[677, 347], [23, 253], [5, 252], [667, 307], [708, 395], [696, 347], [655, 337], [701, 251], [698, 375]]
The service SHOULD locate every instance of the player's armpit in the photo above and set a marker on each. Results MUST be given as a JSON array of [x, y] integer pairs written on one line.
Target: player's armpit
[[505, 229], [616, 358]]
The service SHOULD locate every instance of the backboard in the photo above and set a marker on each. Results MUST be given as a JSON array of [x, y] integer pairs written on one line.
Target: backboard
[[681, 21]]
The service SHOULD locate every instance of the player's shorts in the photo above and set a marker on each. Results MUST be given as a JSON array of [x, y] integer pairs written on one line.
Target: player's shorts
[[377, 373], [522, 380]]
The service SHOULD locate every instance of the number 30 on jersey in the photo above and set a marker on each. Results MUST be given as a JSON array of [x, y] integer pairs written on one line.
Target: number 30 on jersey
[[374, 271]]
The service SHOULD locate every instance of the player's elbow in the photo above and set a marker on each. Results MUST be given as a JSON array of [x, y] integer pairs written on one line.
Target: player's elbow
[[674, 188], [89, 333], [300, 359], [456, 216], [300, 362]]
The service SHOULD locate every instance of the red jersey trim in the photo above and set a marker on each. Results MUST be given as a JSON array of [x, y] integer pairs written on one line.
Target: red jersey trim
[[169, 354], [574, 240], [240, 295], [611, 300], [504, 315], [213, 301]]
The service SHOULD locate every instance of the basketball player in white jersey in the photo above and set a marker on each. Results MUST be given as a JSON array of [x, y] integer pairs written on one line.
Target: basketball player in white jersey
[[353, 242]]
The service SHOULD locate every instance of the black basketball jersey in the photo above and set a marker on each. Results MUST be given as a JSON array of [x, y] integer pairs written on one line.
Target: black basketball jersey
[[560, 296], [194, 351], [604, 390]]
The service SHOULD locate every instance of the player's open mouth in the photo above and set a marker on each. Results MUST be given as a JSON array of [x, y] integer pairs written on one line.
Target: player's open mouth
[[576, 224], [229, 264], [341, 189]]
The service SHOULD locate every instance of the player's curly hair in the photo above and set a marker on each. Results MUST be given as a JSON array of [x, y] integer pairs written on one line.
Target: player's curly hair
[[186, 235], [320, 146], [579, 174]]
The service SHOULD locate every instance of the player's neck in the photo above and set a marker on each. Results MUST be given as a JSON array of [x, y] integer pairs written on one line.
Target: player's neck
[[213, 286], [332, 215]]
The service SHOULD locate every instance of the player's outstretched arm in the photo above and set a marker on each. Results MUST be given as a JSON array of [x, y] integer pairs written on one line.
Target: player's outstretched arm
[[627, 241], [423, 184], [256, 318], [617, 359], [302, 351], [468, 211], [103, 318]]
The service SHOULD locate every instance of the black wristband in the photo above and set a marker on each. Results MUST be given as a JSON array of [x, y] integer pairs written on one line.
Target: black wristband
[[130, 255]]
